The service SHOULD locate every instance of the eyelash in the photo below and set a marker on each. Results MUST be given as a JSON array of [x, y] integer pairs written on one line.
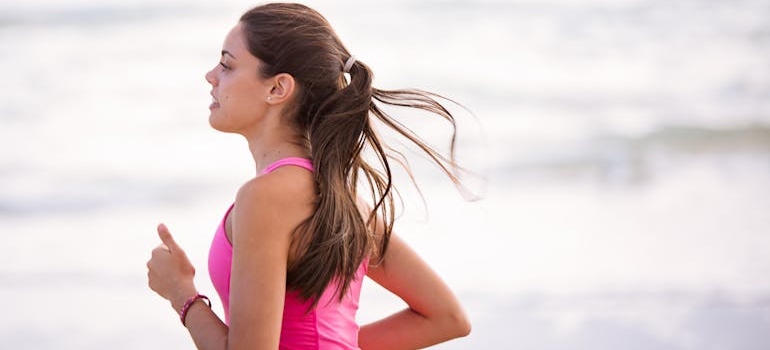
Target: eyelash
[[224, 66]]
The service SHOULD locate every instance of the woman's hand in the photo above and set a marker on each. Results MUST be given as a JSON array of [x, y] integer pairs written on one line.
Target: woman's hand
[[170, 273]]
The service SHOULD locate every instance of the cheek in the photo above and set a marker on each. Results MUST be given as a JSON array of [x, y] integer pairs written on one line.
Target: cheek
[[239, 97], [237, 111], [244, 102], [240, 107]]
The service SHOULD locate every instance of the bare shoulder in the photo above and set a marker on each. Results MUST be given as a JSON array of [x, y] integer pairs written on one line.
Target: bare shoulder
[[282, 198], [284, 185]]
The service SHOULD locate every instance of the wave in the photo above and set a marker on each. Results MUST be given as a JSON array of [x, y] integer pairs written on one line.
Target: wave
[[54, 196], [636, 160]]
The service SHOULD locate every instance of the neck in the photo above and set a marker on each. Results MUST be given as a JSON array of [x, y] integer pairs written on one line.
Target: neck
[[266, 150]]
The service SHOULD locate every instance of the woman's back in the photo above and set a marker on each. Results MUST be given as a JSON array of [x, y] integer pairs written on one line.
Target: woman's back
[[331, 324]]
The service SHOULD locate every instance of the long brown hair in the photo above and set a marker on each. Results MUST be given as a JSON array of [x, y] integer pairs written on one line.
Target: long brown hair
[[335, 116]]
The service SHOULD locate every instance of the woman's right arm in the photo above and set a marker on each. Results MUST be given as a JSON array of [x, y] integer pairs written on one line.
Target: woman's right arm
[[433, 315], [266, 211]]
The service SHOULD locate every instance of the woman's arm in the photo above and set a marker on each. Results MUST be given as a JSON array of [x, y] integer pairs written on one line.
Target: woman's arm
[[171, 275], [266, 211], [434, 315]]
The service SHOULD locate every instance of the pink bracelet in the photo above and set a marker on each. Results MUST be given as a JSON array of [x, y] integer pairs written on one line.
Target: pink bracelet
[[188, 303]]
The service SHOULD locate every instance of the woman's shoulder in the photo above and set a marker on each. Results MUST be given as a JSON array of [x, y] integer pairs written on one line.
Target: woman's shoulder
[[285, 186]]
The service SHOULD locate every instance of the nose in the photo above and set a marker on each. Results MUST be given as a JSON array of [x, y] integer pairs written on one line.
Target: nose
[[211, 76]]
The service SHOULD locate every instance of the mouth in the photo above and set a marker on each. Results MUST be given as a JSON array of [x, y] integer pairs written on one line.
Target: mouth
[[214, 102]]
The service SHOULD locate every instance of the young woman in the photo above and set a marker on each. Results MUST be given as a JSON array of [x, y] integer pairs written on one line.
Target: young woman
[[290, 254]]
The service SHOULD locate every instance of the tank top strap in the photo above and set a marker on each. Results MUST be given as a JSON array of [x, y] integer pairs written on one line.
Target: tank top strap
[[296, 161]]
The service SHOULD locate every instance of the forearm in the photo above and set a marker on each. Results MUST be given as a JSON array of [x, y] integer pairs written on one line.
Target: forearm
[[408, 329], [206, 329]]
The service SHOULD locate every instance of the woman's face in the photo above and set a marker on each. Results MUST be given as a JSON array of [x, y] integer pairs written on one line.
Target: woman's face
[[238, 91]]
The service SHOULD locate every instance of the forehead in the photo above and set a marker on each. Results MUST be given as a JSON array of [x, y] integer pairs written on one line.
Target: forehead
[[235, 41]]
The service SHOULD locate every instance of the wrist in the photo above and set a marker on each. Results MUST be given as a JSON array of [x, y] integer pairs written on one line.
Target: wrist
[[189, 303], [181, 296]]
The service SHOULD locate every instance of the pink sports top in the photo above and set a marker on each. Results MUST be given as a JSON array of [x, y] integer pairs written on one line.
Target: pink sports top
[[330, 325]]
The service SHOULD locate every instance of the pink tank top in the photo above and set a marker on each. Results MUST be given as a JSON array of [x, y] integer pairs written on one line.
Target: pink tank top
[[330, 325]]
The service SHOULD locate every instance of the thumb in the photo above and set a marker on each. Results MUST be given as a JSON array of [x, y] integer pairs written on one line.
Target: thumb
[[166, 238]]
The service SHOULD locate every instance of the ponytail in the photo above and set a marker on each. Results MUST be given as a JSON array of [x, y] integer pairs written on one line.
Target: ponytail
[[336, 239]]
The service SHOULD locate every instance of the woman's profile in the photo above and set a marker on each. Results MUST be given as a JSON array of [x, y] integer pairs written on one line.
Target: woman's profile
[[291, 252]]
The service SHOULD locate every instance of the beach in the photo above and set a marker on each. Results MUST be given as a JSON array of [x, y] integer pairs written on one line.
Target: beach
[[621, 150]]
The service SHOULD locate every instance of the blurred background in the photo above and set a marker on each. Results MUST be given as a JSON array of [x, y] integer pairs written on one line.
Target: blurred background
[[625, 147]]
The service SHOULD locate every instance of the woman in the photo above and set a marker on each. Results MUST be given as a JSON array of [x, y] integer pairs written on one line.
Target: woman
[[290, 254]]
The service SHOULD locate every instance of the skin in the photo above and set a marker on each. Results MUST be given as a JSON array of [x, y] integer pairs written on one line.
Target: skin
[[246, 104]]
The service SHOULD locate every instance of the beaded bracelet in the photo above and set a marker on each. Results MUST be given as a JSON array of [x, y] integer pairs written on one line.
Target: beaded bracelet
[[188, 303]]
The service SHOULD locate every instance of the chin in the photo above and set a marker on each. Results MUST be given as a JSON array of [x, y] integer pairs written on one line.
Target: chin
[[215, 124], [218, 125]]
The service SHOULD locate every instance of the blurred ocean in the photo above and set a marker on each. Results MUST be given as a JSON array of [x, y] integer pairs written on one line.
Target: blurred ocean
[[626, 147]]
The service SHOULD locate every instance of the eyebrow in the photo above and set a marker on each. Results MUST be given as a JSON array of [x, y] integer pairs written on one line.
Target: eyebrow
[[225, 52]]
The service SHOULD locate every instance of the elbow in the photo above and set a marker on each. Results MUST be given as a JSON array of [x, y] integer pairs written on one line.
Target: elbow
[[465, 330], [450, 324], [462, 325], [457, 324]]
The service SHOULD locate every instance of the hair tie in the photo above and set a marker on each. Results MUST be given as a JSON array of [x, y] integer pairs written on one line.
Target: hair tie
[[349, 63]]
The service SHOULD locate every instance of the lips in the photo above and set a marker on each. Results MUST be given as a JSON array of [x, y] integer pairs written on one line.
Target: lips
[[214, 102]]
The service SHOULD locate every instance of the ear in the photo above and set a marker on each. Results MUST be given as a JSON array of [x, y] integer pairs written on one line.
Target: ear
[[282, 87]]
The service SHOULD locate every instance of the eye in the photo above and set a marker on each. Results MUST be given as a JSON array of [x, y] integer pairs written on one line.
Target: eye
[[224, 66]]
